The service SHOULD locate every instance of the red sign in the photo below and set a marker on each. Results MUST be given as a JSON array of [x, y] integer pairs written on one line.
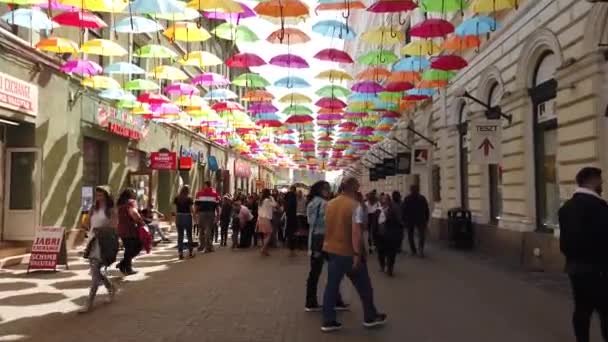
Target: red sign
[[18, 95], [124, 131], [242, 169], [46, 248], [185, 163], [163, 160]]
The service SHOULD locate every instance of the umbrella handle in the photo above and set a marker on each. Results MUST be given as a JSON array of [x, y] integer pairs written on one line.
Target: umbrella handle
[[347, 15], [402, 22]]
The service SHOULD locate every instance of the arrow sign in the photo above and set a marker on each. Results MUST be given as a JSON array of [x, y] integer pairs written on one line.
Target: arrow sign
[[486, 145], [486, 138]]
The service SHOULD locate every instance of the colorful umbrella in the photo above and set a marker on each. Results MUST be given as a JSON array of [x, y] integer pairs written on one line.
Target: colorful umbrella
[[477, 26], [373, 74], [220, 94], [334, 55], [80, 19], [297, 109], [227, 106], [29, 18], [299, 119], [421, 48], [57, 45], [419, 94], [138, 25], [185, 31], [330, 103], [332, 91], [289, 36], [367, 87], [262, 107], [187, 15], [340, 5], [486, 6], [404, 76], [449, 62], [292, 82], [245, 60], [295, 98], [461, 43], [156, 6], [250, 80], [268, 120], [210, 79], [432, 28], [334, 75], [436, 75], [141, 84], [289, 61], [237, 33], [181, 89], [398, 86], [231, 17], [100, 82], [290, 11], [155, 51], [110, 6], [200, 59], [443, 6], [257, 95], [432, 84], [383, 35], [123, 68], [412, 64], [378, 57], [103, 47], [81, 67], [221, 6], [117, 95], [166, 72], [193, 102], [24, 2], [152, 98], [334, 29]]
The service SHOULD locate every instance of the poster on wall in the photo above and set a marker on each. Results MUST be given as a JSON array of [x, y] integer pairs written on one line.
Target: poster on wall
[[46, 249], [87, 198], [421, 155], [404, 163]]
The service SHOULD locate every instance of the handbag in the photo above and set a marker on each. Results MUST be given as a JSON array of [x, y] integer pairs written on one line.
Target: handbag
[[145, 238]]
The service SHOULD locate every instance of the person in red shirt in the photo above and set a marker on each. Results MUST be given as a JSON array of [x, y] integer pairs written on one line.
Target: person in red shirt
[[207, 206]]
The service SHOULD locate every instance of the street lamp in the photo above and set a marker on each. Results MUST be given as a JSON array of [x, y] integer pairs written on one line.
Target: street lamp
[[492, 112]]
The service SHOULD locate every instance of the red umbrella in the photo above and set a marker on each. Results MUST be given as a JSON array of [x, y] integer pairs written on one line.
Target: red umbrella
[[391, 114], [331, 103], [392, 6], [334, 55], [80, 19], [226, 106], [269, 123], [432, 28], [245, 60], [348, 124], [153, 98], [416, 97], [398, 86], [299, 119], [449, 63]]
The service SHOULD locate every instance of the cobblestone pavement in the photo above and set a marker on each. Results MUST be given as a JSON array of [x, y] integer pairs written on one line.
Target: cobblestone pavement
[[238, 296]]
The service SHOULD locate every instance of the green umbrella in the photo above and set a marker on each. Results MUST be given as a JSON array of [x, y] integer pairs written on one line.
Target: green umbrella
[[437, 75], [389, 96], [308, 135], [443, 6], [141, 84], [238, 33], [297, 109], [128, 104], [250, 80], [155, 51], [378, 57], [332, 91]]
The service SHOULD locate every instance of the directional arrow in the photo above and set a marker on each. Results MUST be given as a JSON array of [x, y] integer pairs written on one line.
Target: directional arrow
[[486, 145]]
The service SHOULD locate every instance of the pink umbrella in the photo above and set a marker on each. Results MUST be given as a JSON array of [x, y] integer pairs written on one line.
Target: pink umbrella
[[367, 87], [289, 61], [165, 108], [55, 5], [353, 115], [334, 55], [432, 28], [331, 103], [398, 86], [262, 107], [82, 67], [245, 60], [391, 114], [449, 63], [392, 6], [330, 117], [181, 89], [80, 19], [209, 79], [247, 13]]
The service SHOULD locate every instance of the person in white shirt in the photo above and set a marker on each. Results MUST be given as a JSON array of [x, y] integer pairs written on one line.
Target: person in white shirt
[[267, 205]]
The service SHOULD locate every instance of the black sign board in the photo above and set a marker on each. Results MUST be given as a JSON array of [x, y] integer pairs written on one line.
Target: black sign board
[[390, 166], [373, 175], [380, 171], [404, 163]]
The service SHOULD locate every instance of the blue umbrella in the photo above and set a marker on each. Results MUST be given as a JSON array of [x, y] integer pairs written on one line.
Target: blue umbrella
[[118, 95], [421, 92], [292, 82], [361, 97], [32, 19], [477, 26], [157, 6], [412, 64], [138, 25], [123, 68], [334, 29], [220, 94], [383, 105]]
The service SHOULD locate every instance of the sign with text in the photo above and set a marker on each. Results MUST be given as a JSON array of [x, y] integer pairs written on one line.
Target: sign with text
[[163, 160], [404, 163], [421, 155], [185, 163], [18, 95], [486, 141], [46, 248], [121, 123], [197, 156]]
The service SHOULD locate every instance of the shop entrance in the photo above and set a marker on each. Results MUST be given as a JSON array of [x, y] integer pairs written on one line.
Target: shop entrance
[[21, 201]]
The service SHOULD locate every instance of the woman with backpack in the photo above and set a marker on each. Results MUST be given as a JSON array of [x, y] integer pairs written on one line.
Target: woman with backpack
[[102, 245], [129, 222]]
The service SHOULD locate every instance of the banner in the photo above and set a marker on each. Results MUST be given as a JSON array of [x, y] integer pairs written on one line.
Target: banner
[[46, 248], [163, 160]]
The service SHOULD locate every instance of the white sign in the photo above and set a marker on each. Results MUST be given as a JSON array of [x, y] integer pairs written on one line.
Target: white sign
[[18, 95], [421, 155], [485, 143], [546, 111], [46, 248]]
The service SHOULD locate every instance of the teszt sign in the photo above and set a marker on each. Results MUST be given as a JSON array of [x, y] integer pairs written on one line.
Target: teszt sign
[[486, 141], [18, 95]]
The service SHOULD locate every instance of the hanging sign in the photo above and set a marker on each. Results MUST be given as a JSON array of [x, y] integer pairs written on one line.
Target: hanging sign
[[18, 95], [421, 156], [212, 162], [46, 248], [380, 172], [185, 163], [373, 175], [390, 166], [121, 123], [163, 160], [485, 141], [196, 156], [404, 163]]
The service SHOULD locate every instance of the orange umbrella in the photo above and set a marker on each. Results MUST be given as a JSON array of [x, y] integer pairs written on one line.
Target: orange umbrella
[[405, 105], [288, 36], [257, 96], [431, 84], [373, 74], [460, 43], [290, 11], [404, 76]]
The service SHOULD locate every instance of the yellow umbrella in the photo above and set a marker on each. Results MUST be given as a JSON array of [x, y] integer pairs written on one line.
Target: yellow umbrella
[[57, 45], [192, 101], [100, 82], [112, 6], [102, 47], [295, 98], [186, 32], [223, 6], [166, 72], [200, 59], [485, 6], [334, 75], [383, 35], [421, 48], [142, 109]]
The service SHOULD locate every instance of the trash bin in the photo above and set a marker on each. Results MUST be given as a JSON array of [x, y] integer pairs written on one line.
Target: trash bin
[[460, 229]]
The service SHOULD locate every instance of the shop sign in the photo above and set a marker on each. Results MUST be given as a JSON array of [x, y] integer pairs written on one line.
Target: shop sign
[[46, 248], [212, 162], [163, 160], [185, 163], [121, 123], [486, 138], [18, 95], [546, 111], [404, 163], [124, 131], [196, 156], [242, 169]]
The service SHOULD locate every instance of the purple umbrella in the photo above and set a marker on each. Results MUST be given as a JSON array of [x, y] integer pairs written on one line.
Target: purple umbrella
[[367, 87], [181, 89], [330, 103], [209, 79], [82, 67], [330, 117], [289, 61], [165, 108], [354, 115], [364, 130], [247, 13], [262, 107]]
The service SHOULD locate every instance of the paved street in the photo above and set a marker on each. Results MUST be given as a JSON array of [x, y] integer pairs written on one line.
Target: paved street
[[238, 296]]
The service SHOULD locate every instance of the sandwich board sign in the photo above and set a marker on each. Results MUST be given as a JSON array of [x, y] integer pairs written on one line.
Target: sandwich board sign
[[48, 249], [485, 144]]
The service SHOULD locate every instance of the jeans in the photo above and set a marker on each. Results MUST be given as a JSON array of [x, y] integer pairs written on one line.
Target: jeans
[[421, 238], [206, 224], [386, 248], [97, 278], [590, 292], [224, 232], [337, 268], [316, 268], [154, 228], [132, 248], [183, 222]]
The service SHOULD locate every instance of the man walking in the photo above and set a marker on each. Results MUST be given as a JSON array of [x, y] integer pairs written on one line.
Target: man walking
[[207, 206], [583, 222], [344, 246], [416, 215], [291, 213]]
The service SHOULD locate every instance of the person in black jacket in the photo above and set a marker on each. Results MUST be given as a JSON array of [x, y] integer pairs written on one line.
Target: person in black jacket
[[583, 222], [416, 215], [291, 212], [389, 234]]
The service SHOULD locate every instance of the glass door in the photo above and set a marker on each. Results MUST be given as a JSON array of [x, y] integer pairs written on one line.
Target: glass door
[[22, 193]]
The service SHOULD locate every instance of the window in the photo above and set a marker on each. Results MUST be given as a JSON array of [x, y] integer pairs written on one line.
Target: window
[[494, 170], [436, 183], [463, 156], [95, 162]]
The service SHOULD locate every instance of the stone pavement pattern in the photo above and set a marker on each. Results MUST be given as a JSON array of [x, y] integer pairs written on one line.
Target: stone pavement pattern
[[237, 296]]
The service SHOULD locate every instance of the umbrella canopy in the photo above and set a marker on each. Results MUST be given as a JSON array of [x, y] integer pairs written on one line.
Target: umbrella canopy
[[404, 76], [282, 9], [332, 91], [477, 26], [156, 6], [443, 6], [289, 36], [436, 75], [383, 35], [103, 47], [210, 79], [334, 75], [432, 28], [221, 6], [220, 94], [339, 5], [29, 18], [367, 87], [262, 107], [192, 102], [80, 19], [153, 98], [138, 25], [231, 17], [186, 31], [81, 67], [418, 63], [227, 106], [237, 33], [109, 6], [398, 86], [334, 29], [250, 80], [334, 55], [117, 95], [155, 51], [100, 82], [461, 43], [245, 60], [299, 119], [373, 74], [200, 59], [421, 48], [392, 6], [165, 109], [181, 89], [291, 82], [289, 61], [378, 57], [295, 98], [141, 84], [449, 62], [330, 103], [486, 6], [58, 45], [188, 14], [296, 109], [166, 72], [123, 68], [257, 95]]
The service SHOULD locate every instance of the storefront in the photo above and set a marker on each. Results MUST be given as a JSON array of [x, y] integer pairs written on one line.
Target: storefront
[[242, 176], [192, 164]]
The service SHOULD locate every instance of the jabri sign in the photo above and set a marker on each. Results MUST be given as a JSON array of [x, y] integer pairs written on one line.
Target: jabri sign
[[121, 123], [18, 95]]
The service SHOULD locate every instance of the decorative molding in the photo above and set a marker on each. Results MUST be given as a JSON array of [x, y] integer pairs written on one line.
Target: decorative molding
[[540, 42]]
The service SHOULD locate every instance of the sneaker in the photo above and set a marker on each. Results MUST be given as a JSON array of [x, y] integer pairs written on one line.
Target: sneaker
[[130, 272], [111, 294], [313, 308], [376, 322], [331, 326], [342, 307], [181, 256]]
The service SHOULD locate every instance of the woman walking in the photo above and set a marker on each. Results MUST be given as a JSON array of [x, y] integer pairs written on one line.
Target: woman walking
[[264, 226], [102, 245], [315, 212], [184, 206], [129, 222], [225, 217], [388, 237]]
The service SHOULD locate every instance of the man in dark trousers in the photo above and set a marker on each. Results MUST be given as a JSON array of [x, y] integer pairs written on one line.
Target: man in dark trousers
[[416, 215], [583, 222], [291, 212]]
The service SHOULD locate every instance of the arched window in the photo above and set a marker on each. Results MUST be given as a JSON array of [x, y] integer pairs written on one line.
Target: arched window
[[495, 170], [463, 155]]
